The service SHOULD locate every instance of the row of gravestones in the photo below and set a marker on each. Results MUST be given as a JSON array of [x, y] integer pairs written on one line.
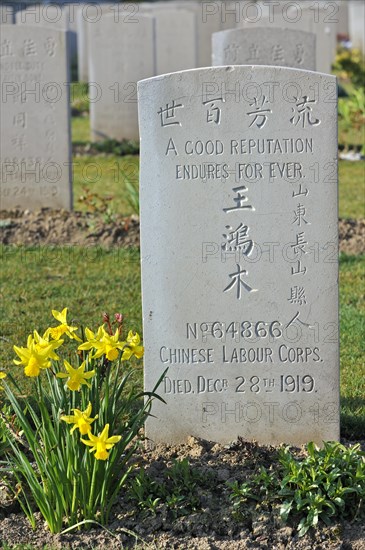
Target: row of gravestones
[[35, 150], [35, 90], [124, 43], [326, 21], [193, 30], [238, 233]]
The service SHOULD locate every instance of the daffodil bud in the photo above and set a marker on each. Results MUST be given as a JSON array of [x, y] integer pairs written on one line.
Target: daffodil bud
[[106, 317], [119, 318]]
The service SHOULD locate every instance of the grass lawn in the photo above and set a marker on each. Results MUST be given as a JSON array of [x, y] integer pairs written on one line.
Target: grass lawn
[[352, 344], [351, 189], [80, 129], [103, 180]]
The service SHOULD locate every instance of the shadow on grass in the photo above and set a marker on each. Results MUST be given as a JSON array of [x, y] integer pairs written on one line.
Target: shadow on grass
[[352, 419]]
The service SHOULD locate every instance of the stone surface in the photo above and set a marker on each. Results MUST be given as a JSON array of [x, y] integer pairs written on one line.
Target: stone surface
[[238, 188], [121, 53], [283, 47], [320, 18], [176, 37], [53, 16], [176, 40], [89, 14], [209, 19], [6, 14], [35, 121], [343, 18], [356, 24], [323, 22]]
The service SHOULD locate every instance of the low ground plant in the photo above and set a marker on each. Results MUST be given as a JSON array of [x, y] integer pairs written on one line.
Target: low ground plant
[[79, 97], [349, 65], [328, 484], [178, 490], [351, 111], [68, 445], [117, 148]]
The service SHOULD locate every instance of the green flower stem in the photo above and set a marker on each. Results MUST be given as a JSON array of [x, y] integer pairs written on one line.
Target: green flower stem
[[93, 483], [74, 491]]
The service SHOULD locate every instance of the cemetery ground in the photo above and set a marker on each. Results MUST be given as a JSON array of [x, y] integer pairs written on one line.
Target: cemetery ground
[[88, 260]]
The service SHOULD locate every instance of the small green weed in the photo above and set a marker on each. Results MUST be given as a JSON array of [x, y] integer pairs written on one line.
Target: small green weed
[[177, 491], [98, 204], [117, 148], [79, 96], [132, 194], [328, 483]]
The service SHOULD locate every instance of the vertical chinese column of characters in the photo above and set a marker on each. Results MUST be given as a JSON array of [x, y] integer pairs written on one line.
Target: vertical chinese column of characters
[[35, 119], [238, 190]]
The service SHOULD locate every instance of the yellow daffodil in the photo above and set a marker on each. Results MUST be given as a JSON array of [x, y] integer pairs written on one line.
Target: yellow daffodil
[[63, 327], [80, 420], [93, 339], [102, 443], [103, 343], [44, 343], [76, 377], [33, 357], [2, 376], [132, 346]]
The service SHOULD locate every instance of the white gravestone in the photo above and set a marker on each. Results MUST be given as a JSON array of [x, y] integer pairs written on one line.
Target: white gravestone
[[356, 24], [283, 47], [82, 45], [89, 14], [343, 18], [208, 19], [176, 37], [35, 121], [238, 190], [320, 18], [121, 53]]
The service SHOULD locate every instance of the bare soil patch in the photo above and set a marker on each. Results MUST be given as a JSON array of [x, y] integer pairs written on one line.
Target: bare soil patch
[[61, 227], [212, 526]]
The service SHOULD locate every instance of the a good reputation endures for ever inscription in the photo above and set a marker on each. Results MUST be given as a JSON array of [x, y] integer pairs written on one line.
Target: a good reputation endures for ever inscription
[[238, 188]]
